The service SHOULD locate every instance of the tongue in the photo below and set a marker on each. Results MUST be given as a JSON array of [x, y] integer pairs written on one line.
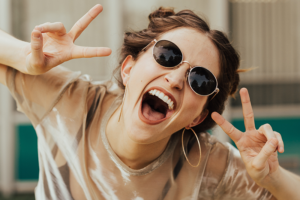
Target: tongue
[[151, 114]]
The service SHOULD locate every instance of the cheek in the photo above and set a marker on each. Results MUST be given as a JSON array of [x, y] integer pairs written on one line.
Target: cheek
[[143, 72], [146, 69], [193, 105]]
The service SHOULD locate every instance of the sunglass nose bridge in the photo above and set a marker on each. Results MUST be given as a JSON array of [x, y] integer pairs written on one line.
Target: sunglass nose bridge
[[188, 71], [187, 63]]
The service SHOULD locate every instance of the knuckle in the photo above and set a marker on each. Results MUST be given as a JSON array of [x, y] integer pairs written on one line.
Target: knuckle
[[47, 24], [261, 128], [277, 134], [84, 52], [60, 25], [255, 165], [231, 129], [267, 126], [266, 151], [222, 122], [79, 25], [34, 33], [35, 45], [37, 64], [245, 101], [249, 115], [91, 16]]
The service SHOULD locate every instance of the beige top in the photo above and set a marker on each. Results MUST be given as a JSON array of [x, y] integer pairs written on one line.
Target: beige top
[[77, 162]]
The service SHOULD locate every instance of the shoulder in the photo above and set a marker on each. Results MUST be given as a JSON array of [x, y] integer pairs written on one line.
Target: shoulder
[[225, 175], [219, 157], [225, 154], [101, 95], [218, 151]]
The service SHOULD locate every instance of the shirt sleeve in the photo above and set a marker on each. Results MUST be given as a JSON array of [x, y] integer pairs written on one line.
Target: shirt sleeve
[[35, 95], [236, 183]]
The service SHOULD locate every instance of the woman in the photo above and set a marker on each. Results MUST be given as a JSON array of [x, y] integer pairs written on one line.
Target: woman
[[96, 143]]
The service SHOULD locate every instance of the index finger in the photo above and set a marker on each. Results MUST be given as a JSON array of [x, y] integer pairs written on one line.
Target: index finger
[[247, 109], [84, 21], [227, 127]]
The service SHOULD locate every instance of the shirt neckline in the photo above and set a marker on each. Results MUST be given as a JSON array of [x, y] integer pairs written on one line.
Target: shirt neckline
[[118, 162]]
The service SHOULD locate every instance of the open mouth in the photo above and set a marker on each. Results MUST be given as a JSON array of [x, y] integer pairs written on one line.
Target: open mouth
[[156, 106]]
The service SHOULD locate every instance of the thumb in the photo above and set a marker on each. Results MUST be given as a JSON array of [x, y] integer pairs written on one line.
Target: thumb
[[269, 148], [37, 58]]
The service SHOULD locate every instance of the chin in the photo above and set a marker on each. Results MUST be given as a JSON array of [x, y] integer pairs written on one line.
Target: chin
[[143, 136]]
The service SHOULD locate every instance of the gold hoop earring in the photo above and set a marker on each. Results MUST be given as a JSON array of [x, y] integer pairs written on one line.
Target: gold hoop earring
[[122, 103], [184, 150]]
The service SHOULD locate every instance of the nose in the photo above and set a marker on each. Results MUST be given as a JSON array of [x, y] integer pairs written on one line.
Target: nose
[[176, 77]]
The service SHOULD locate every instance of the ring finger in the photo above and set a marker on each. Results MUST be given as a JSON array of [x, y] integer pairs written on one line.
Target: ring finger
[[267, 131], [280, 142], [57, 27]]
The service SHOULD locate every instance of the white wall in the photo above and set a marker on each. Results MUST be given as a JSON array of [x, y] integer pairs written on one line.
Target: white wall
[[6, 123], [136, 12]]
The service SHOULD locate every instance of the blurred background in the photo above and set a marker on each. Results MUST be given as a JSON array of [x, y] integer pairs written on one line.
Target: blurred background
[[265, 32]]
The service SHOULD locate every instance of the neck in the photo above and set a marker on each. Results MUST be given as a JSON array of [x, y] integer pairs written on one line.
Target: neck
[[133, 154]]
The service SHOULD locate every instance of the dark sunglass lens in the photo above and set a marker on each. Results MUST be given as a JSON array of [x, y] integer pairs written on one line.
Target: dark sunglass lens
[[202, 81], [167, 53]]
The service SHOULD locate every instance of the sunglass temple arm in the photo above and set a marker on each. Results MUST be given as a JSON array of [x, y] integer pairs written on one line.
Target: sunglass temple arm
[[217, 91], [152, 42]]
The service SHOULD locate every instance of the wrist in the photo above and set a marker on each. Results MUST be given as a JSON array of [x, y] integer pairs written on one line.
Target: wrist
[[13, 52], [283, 184], [274, 181]]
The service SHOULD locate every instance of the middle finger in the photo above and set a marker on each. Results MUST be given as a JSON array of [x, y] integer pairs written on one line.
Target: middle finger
[[247, 110]]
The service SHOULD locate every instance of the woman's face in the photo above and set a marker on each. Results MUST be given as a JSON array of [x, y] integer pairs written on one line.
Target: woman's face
[[147, 118]]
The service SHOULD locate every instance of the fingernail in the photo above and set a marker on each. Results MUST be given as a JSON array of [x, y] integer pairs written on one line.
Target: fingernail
[[281, 149], [39, 28], [36, 36]]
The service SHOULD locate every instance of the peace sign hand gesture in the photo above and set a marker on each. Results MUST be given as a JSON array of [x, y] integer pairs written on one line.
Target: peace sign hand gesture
[[257, 147], [51, 45]]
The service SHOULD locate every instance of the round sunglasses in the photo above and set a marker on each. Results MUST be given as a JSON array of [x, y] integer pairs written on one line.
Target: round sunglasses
[[201, 80]]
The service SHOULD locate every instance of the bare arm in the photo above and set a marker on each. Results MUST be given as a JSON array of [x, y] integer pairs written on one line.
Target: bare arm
[[284, 185], [12, 53], [3, 69]]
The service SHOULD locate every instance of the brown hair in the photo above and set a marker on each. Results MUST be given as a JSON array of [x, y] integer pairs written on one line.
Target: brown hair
[[164, 20]]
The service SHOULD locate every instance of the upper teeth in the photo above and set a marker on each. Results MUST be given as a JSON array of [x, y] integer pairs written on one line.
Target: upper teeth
[[163, 97]]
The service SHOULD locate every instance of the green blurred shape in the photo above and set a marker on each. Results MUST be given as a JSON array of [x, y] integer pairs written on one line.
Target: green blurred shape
[[27, 166], [18, 197]]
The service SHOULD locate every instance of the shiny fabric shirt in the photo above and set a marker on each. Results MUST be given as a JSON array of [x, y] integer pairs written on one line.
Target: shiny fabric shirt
[[69, 113]]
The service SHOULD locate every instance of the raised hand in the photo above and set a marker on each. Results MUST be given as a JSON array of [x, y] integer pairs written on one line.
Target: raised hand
[[51, 45], [257, 147]]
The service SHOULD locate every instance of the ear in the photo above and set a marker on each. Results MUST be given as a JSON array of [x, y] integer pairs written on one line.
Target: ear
[[198, 119], [126, 69]]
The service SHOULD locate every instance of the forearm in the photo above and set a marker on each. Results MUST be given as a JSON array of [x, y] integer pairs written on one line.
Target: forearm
[[285, 185], [13, 51]]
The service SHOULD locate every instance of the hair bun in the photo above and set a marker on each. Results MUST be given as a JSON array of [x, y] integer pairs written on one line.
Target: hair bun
[[161, 13]]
